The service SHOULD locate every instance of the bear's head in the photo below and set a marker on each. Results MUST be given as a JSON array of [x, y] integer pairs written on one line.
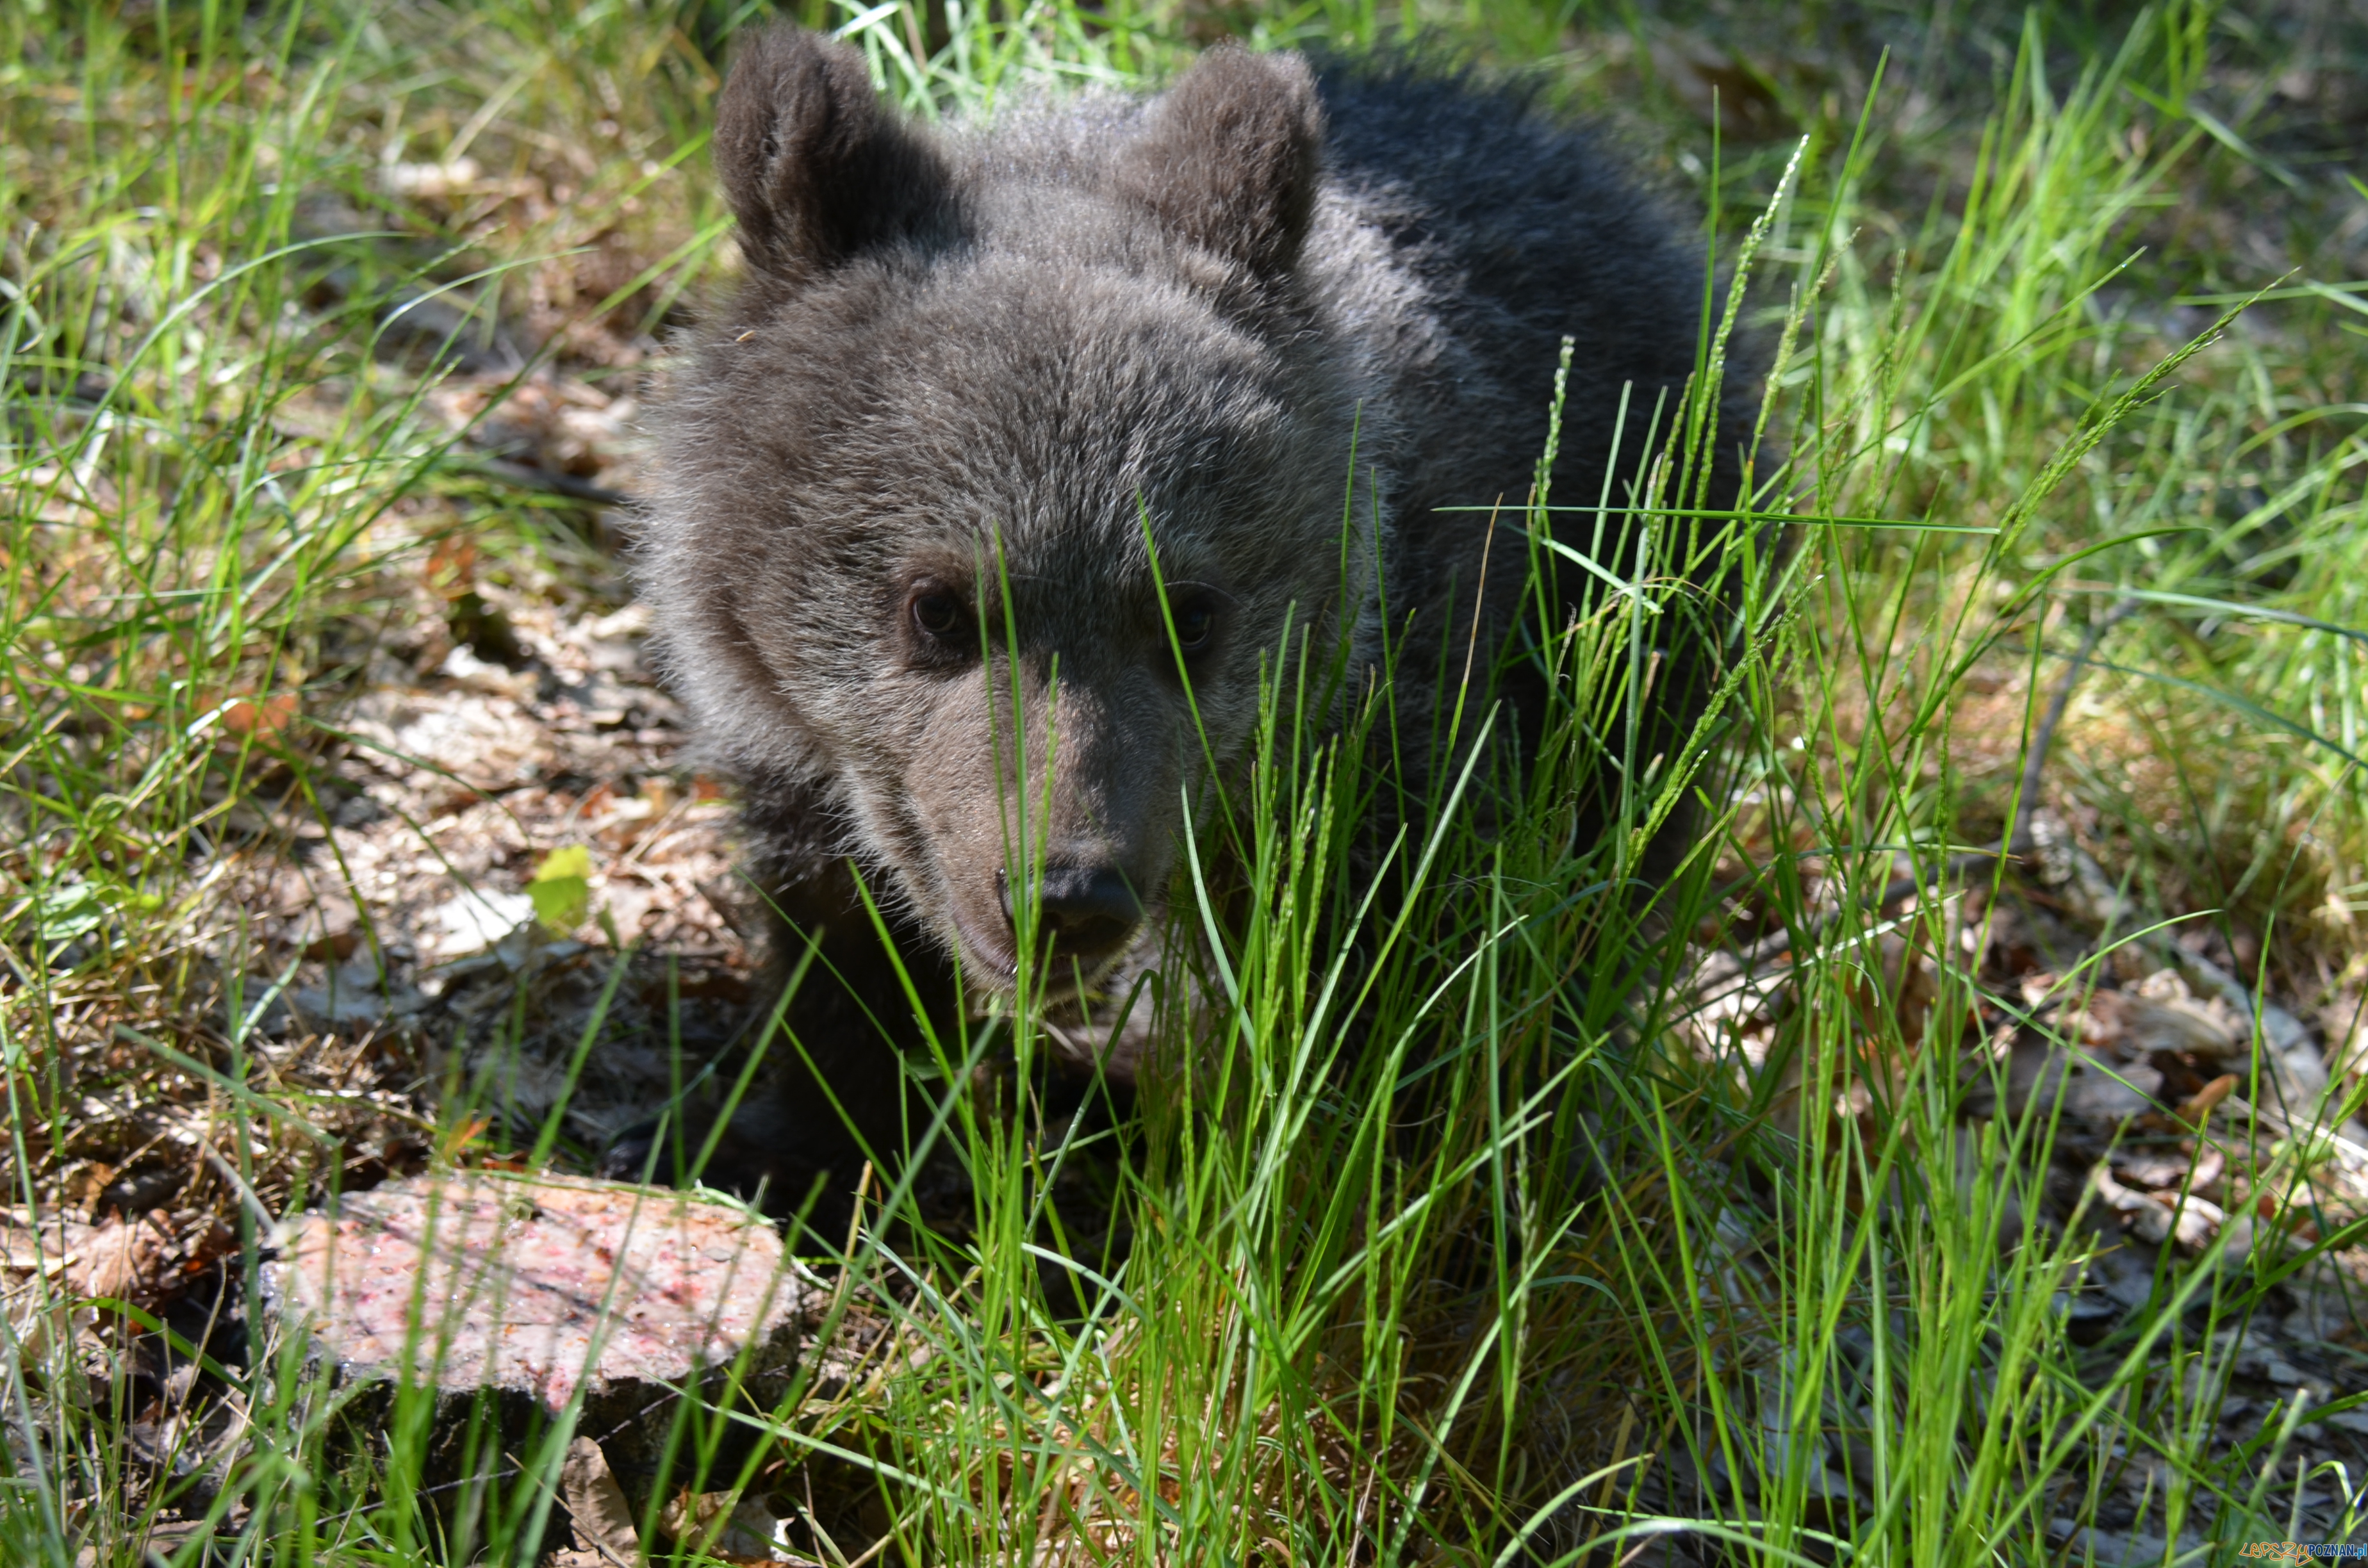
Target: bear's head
[[1022, 457]]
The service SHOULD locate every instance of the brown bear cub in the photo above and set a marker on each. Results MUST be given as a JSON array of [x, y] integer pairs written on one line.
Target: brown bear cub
[[1040, 438]]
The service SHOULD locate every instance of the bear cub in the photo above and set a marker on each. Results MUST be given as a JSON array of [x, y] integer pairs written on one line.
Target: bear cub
[[1038, 436]]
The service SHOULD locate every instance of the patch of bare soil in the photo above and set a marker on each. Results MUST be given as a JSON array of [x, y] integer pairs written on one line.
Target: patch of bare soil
[[414, 913]]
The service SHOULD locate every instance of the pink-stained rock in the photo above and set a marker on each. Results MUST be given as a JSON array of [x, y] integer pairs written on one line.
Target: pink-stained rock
[[537, 1308], [542, 1286]]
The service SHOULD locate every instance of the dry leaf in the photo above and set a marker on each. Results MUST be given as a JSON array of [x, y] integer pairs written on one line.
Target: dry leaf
[[596, 1509]]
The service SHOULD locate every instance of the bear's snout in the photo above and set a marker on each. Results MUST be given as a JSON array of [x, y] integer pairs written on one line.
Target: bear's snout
[[1086, 912]]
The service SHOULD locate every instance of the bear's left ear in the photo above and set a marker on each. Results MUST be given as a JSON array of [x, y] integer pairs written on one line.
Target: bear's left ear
[[815, 166], [1230, 157]]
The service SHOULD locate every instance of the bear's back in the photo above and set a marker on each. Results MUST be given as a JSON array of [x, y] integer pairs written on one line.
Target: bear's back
[[1520, 228]]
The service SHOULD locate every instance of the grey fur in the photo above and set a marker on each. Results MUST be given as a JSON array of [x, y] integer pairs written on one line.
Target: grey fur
[[998, 352]]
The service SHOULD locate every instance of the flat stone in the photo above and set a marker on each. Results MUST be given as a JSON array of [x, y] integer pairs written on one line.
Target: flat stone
[[535, 1293], [543, 1286]]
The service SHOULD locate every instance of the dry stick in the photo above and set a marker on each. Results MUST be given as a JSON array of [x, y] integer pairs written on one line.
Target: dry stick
[[1479, 604], [2017, 844], [526, 476], [238, 1185]]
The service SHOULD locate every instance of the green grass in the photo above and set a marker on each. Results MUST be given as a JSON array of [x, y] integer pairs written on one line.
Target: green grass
[[1512, 1246]]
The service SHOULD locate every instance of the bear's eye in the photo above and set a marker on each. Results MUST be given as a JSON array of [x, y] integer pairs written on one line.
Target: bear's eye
[[1196, 625], [936, 612]]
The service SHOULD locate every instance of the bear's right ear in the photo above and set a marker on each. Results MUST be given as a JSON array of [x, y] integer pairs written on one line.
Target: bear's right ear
[[815, 166]]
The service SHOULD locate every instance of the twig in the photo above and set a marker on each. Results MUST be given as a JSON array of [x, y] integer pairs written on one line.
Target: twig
[[2036, 765], [525, 476], [265, 1223], [2017, 844]]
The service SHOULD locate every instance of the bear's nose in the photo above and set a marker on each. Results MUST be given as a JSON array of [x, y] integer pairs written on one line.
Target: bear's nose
[[1085, 910]]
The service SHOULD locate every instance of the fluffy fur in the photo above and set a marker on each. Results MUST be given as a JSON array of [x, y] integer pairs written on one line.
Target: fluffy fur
[[910, 472]]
